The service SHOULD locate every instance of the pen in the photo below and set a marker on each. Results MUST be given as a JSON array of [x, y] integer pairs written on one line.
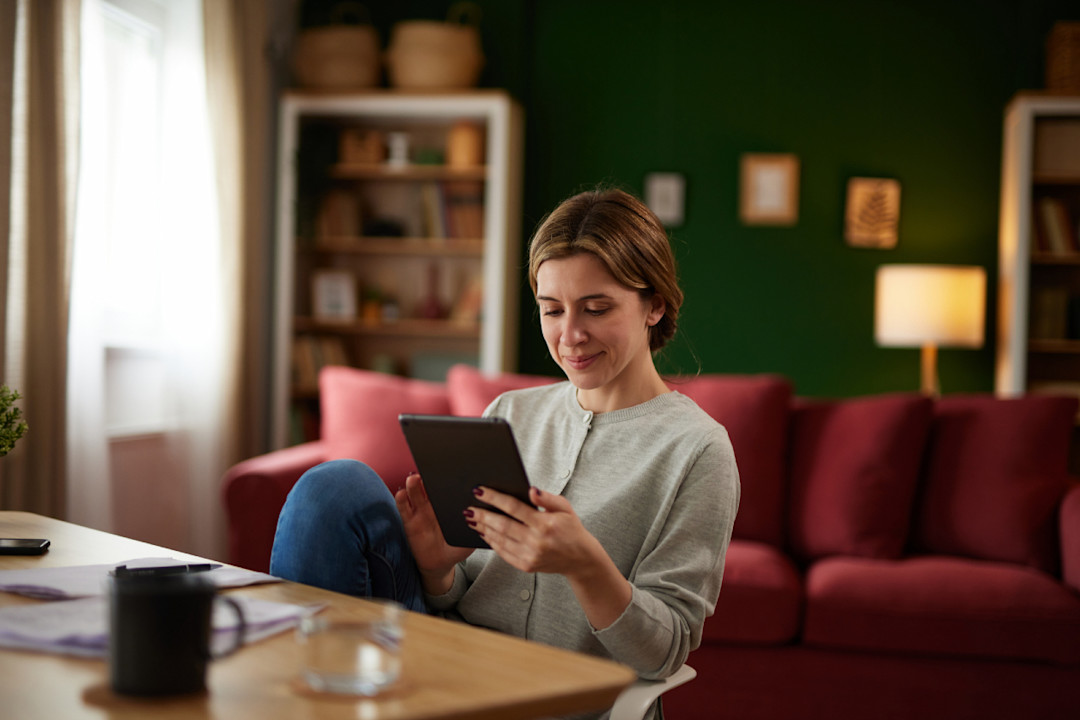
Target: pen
[[125, 571]]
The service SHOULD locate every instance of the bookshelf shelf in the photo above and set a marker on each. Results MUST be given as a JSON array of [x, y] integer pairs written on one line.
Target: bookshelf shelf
[[407, 173], [1069, 347], [409, 327], [422, 246]]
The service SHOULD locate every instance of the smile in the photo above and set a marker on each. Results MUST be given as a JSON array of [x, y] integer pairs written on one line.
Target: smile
[[580, 362]]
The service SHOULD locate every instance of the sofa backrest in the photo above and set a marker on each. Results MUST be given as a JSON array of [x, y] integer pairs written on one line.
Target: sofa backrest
[[854, 470], [359, 411], [995, 473], [875, 476]]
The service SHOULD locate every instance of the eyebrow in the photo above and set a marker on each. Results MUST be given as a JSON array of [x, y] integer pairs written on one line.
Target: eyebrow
[[597, 296]]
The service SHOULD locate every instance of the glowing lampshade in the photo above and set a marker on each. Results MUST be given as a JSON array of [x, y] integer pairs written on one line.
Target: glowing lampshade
[[928, 306]]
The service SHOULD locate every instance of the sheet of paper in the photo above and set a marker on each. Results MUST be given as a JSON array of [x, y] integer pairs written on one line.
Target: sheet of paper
[[81, 627], [63, 583]]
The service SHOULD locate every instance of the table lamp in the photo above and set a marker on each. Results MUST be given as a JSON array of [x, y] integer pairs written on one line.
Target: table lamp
[[928, 306]]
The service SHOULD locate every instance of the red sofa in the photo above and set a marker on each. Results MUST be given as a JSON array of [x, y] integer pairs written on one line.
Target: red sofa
[[894, 556]]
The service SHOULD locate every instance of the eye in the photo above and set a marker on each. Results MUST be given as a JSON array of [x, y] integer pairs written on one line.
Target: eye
[[597, 312], [552, 312]]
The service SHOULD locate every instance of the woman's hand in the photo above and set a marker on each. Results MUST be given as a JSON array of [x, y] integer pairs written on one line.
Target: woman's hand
[[551, 539], [434, 557]]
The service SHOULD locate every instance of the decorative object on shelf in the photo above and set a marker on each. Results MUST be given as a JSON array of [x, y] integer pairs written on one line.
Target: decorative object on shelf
[[470, 303], [333, 296], [872, 217], [432, 55], [465, 145], [12, 426], [340, 56], [357, 146], [769, 189], [929, 306], [431, 307], [398, 145], [1063, 57]]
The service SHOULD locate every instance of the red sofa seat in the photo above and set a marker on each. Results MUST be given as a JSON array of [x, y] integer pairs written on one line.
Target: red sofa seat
[[894, 556]]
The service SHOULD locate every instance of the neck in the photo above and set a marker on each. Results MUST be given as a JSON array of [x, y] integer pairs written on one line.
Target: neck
[[629, 389]]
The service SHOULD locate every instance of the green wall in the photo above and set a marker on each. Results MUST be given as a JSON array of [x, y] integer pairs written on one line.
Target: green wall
[[908, 89]]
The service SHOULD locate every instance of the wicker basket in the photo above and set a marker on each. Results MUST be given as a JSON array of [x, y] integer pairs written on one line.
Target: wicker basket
[[340, 56], [431, 55], [1063, 57]]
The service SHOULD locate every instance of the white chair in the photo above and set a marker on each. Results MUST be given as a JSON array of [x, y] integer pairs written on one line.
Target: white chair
[[635, 701]]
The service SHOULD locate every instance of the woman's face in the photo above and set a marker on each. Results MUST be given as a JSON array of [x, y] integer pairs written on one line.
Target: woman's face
[[596, 328]]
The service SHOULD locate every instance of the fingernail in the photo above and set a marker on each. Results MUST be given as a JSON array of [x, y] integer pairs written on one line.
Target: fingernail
[[477, 491], [471, 523], [468, 513], [539, 492]]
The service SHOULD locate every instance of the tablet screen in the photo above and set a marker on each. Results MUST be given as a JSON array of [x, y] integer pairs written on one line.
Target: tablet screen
[[455, 454]]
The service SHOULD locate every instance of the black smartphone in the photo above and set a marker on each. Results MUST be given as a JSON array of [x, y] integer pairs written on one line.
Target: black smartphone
[[23, 546]]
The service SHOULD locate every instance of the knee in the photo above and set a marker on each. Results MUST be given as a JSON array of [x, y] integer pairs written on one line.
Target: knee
[[337, 485]]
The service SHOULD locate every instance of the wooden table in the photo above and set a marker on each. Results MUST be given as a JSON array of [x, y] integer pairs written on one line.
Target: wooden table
[[450, 670]]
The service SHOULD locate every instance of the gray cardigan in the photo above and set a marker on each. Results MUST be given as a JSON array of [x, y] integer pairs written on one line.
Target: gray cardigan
[[656, 484]]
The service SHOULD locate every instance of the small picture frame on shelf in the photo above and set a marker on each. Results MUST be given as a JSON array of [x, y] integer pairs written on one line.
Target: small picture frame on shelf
[[769, 189], [333, 296]]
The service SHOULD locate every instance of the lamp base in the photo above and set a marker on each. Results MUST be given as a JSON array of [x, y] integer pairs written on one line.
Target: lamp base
[[930, 384]]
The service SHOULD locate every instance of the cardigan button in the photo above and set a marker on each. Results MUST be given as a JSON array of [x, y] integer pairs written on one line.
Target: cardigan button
[[525, 594]]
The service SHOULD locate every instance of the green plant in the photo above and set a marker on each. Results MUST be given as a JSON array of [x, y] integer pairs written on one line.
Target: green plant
[[12, 426]]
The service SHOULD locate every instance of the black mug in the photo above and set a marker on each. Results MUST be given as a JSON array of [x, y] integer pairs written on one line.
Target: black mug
[[160, 630]]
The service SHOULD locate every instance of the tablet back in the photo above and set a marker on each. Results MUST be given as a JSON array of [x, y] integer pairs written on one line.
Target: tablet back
[[455, 454]]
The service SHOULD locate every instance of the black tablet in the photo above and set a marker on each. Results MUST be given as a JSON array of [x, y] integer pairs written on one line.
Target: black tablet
[[455, 454]]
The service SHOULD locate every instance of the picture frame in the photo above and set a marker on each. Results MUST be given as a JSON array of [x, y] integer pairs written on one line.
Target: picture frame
[[872, 213], [769, 189], [333, 296]]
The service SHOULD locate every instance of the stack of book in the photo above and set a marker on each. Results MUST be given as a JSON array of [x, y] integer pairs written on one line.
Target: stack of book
[[453, 210]]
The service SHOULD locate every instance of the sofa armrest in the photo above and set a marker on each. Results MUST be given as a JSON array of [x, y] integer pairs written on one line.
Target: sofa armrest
[[1069, 516], [254, 491]]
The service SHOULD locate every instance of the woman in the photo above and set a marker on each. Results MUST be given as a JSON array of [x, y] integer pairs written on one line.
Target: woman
[[635, 488]]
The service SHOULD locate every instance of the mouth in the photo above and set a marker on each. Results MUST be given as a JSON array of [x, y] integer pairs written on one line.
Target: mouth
[[580, 362]]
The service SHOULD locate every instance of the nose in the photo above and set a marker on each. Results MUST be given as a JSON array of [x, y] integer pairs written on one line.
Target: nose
[[574, 330]]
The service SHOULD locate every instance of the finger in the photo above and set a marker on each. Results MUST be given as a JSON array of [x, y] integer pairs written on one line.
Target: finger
[[549, 501], [414, 486], [507, 503]]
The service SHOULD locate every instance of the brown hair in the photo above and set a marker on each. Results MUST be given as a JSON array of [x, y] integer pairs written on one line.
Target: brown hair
[[626, 236]]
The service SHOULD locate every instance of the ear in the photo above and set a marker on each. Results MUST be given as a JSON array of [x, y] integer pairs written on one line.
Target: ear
[[657, 308]]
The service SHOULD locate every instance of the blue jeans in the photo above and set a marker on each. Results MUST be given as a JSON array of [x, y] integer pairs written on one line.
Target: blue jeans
[[340, 530]]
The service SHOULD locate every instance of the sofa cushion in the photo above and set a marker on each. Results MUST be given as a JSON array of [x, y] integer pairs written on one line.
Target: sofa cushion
[[854, 470], [760, 598], [754, 409], [996, 472], [471, 391], [359, 417], [941, 605]]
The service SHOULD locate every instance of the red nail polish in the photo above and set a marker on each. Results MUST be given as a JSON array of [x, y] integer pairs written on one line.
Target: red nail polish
[[468, 513], [477, 491]]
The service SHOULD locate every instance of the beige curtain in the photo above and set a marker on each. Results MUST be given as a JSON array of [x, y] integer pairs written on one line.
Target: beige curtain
[[242, 63], [38, 113]]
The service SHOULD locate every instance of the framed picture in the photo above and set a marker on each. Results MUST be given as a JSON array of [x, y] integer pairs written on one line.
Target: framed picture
[[872, 215], [333, 296], [769, 189]]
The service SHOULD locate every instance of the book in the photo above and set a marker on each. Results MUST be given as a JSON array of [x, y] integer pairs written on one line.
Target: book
[[1056, 229], [1049, 313]]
